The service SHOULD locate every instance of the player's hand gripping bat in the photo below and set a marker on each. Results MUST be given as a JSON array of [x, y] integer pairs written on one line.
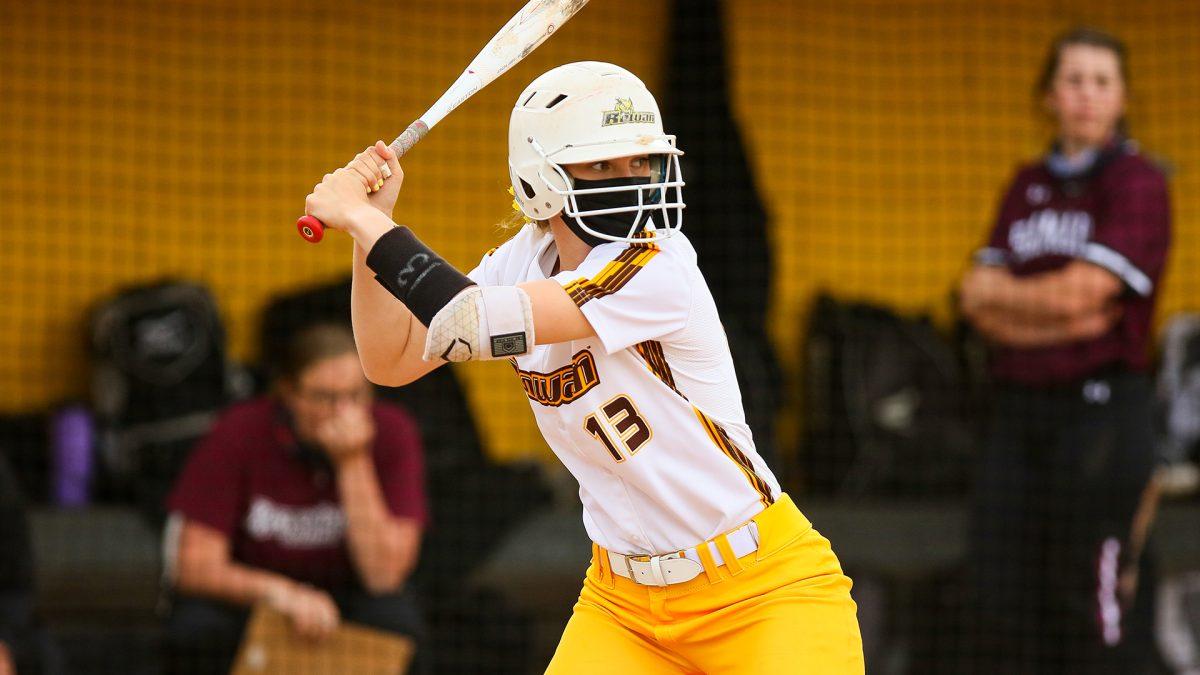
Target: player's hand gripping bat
[[522, 34]]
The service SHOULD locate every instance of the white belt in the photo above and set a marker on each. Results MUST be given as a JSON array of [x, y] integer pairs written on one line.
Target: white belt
[[676, 568]]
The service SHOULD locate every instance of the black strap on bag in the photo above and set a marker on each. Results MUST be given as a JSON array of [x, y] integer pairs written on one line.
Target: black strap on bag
[[885, 409], [160, 377]]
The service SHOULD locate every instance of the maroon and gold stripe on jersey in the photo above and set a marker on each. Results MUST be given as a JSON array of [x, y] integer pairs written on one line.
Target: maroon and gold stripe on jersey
[[731, 450], [614, 275], [651, 352]]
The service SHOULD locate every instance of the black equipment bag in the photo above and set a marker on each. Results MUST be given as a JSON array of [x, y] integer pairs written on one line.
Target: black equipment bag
[[887, 408], [1179, 389], [160, 377]]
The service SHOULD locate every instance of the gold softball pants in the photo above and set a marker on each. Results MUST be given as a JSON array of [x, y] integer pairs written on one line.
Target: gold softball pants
[[785, 608]]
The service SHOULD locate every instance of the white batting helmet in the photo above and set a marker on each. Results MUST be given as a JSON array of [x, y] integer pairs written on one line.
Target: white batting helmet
[[588, 112]]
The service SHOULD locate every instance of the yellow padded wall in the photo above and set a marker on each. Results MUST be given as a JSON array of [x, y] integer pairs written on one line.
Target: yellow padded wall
[[150, 139], [142, 140]]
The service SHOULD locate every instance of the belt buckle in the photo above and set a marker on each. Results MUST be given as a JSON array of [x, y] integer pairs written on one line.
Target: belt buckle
[[655, 562], [629, 567], [650, 558]]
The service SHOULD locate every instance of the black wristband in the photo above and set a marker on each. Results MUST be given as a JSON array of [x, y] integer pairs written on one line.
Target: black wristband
[[413, 273]]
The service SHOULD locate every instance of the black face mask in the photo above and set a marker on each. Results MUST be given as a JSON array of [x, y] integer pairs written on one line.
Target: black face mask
[[615, 224]]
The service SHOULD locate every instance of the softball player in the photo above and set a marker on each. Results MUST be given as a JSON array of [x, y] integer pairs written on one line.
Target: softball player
[[1065, 291], [700, 563]]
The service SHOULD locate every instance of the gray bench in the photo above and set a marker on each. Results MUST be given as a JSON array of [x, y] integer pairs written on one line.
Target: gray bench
[[539, 567], [99, 569], [98, 572]]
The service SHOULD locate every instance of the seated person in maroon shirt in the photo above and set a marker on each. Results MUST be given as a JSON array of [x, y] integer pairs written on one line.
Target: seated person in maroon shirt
[[310, 500]]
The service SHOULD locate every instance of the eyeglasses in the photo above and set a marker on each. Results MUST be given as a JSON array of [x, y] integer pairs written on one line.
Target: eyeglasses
[[328, 398]]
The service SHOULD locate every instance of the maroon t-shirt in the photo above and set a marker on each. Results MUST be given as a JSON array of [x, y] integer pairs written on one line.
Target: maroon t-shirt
[[1116, 216], [251, 481]]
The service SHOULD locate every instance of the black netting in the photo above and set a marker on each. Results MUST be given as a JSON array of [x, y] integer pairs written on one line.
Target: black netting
[[844, 163]]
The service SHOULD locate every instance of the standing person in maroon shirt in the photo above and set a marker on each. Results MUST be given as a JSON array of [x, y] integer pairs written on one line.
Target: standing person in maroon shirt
[[311, 501], [1064, 292]]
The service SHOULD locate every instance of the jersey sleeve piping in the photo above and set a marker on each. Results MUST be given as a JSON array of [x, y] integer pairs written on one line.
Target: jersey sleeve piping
[[1119, 265], [991, 256]]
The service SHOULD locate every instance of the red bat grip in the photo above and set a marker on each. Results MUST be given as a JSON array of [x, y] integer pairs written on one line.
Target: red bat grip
[[313, 230]]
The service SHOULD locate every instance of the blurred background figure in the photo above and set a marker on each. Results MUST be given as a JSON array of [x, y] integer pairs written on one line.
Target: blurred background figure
[[310, 500], [1064, 292], [24, 647]]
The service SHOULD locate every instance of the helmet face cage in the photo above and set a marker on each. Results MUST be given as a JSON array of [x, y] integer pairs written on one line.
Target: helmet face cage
[[659, 207]]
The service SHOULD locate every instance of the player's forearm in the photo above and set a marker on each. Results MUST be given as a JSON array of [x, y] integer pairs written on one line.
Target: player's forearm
[[382, 326], [1016, 329], [7, 667], [1003, 292], [1066, 294], [1002, 327], [390, 335], [377, 545], [229, 581]]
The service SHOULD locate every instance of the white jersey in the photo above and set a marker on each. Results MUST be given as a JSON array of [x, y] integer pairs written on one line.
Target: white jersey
[[647, 414]]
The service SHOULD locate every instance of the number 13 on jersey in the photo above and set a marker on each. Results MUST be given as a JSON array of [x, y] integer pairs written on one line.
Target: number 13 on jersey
[[626, 424]]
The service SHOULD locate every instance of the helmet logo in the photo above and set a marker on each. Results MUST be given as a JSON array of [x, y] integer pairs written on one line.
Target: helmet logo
[[623, 113]]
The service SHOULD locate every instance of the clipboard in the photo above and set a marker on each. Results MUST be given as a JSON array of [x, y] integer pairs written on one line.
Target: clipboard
[[270, 646]]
